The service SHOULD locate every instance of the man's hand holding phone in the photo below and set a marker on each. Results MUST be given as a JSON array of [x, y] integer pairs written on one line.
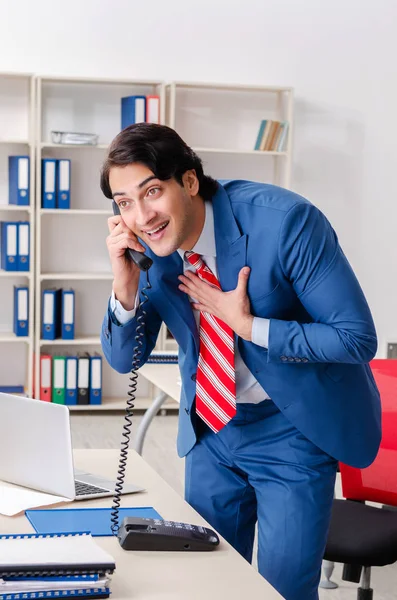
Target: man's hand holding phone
[[126, 272]]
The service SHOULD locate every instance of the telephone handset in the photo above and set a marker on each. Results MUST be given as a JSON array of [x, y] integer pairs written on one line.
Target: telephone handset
[[139, 258]]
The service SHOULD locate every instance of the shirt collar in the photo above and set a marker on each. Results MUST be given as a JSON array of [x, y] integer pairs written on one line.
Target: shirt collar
[[205, 245]]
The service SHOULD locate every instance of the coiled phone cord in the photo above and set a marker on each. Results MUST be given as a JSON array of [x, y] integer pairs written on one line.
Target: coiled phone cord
[[139, 334]]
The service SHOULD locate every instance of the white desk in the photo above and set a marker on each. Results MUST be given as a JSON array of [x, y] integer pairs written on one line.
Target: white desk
[[164, 376], [215, 575]]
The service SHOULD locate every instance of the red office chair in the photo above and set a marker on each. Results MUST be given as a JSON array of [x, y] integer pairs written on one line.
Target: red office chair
[[363, 536]]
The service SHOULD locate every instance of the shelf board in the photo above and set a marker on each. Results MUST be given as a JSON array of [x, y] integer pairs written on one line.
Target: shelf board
[[98, 80], [9, 141], [236, 151], [75, 211], [77, 276], [90, 340], [69, 146], [120, 404], [238, 87], [15, 207], [11, 274], [9, 336]]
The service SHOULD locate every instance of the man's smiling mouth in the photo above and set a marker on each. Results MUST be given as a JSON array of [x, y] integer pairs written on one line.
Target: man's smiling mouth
[[157, 229]]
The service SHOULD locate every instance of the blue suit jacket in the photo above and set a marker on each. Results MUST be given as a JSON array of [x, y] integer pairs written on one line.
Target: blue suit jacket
[[321, 334]]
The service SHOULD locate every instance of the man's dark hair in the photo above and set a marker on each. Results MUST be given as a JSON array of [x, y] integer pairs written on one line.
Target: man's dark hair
[[160, 149]]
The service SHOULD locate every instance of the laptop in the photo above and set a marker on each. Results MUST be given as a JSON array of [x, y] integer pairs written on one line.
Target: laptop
[[36, 451]]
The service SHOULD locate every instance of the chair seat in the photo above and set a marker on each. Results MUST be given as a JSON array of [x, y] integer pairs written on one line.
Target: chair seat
[[362, 535]]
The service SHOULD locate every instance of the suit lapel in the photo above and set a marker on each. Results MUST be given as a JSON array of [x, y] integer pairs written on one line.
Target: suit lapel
[[231, 246]]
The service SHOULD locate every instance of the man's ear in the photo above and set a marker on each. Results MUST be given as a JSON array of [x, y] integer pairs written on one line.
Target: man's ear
[[190, 182]]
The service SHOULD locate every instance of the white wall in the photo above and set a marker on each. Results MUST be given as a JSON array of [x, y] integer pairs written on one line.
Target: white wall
[[337, 54]]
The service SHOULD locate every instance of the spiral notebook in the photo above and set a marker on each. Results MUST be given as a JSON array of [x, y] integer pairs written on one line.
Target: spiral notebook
[[53, 566]]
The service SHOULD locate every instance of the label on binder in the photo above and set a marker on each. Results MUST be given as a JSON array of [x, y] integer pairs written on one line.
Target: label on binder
[[22, 305], [23, 239], [12, 239], [23, 173], [59, 373], [45, 375], [139, 110], [68, 311], [48, 312], [71, 374], [64, 175], [49, 179]]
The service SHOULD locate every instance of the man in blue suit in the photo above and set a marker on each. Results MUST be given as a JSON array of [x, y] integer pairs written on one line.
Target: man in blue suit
[[303, 336]]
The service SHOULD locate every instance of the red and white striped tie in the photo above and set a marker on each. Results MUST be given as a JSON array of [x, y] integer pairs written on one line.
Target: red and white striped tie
[[215, 382]]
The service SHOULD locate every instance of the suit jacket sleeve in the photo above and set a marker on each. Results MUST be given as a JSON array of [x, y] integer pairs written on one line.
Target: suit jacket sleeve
[[118, 341], [342, 330]]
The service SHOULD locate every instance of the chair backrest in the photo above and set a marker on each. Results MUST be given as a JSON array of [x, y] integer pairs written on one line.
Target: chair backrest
[[378, 482]]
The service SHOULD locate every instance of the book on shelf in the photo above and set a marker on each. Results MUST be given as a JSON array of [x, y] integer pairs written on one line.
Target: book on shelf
[[272, 136]]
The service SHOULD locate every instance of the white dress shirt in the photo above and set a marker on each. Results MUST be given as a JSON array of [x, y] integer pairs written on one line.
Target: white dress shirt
[[247, 388]]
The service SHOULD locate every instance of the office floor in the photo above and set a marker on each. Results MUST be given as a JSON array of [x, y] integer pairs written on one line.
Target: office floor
[[104, 431]]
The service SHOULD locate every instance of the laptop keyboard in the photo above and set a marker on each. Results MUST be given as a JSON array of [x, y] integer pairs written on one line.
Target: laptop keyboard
[[85, 488]]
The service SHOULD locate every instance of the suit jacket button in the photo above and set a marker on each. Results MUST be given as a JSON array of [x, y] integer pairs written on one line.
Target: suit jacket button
[[305, 360], [291, 359], [297, 359], [193, 377], [187, 411], [283, 358]]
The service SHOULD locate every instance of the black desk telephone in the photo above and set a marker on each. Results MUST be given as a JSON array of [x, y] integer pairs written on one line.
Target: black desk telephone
[[149, 534], [154, 534]]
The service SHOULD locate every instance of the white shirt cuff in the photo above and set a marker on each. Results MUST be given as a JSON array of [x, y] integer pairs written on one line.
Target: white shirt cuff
[[260, 332], [121, 314]]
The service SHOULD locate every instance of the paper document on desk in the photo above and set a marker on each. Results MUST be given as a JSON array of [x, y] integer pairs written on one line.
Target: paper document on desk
[[14, 499]]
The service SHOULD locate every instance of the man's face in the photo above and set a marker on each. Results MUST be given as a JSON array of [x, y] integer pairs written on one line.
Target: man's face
[[165, 215]]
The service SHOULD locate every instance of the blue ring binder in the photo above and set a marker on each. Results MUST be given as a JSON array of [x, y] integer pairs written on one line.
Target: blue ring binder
[[22, 536]]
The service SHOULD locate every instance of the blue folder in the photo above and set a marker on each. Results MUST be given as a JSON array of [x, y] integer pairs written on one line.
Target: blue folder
[[21, 311], [9, 245], [63, 183], [68, 314], [133, 110], [74, 520], [71, 380], [51, 325], [19, 175], [49, 168]]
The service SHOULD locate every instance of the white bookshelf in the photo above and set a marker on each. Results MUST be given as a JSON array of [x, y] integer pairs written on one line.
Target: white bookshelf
[[221, 122], [71, 250], [17, 112]]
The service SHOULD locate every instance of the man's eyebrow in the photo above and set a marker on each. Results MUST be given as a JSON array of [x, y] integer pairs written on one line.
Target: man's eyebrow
[[145, 181], [139, 186]]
